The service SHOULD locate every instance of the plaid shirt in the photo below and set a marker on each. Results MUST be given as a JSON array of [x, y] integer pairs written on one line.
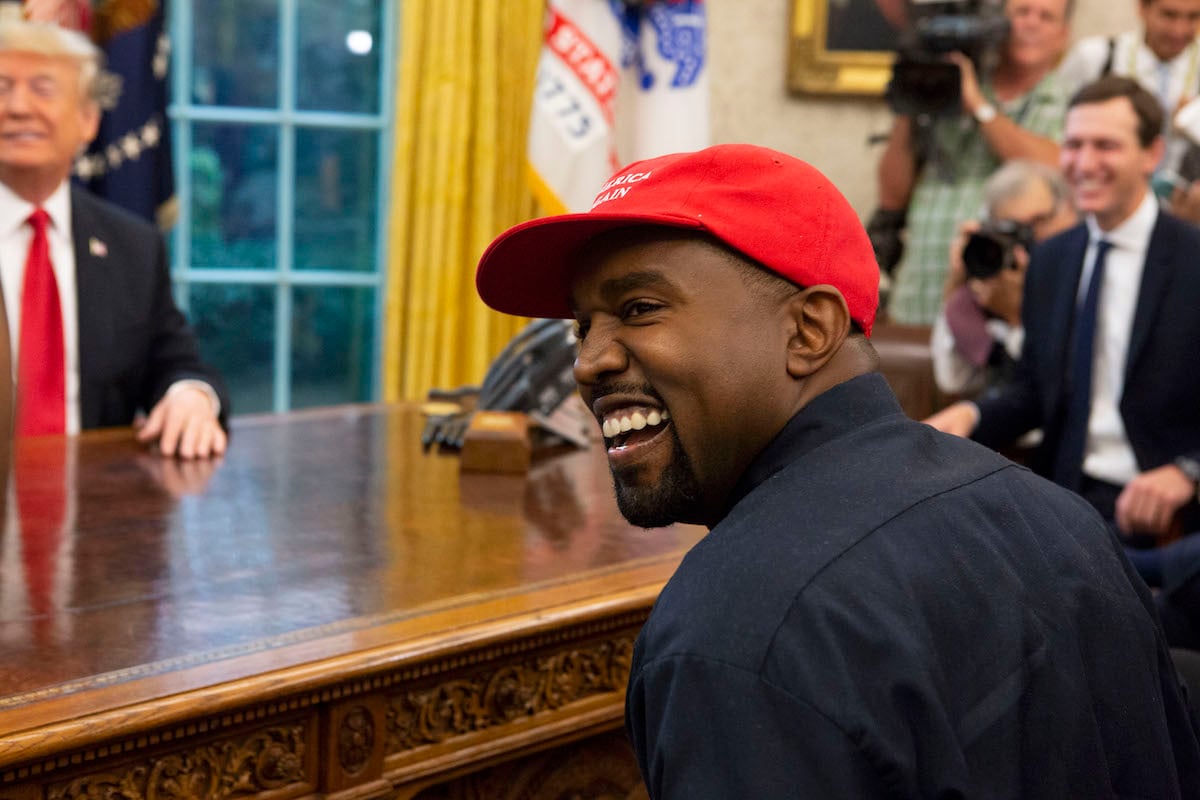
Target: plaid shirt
[[949, 191]]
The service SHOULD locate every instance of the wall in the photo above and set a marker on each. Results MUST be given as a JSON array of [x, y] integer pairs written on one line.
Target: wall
[[748, 44]]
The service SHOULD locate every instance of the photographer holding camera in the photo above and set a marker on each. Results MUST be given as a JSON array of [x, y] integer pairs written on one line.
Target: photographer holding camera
[[932, 171], [977, 335], [1109, 370]]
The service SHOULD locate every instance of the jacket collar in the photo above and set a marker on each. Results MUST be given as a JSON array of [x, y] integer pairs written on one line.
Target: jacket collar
[[832, 414]]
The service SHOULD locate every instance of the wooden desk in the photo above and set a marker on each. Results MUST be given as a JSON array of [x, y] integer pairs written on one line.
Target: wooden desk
[[328, 612]]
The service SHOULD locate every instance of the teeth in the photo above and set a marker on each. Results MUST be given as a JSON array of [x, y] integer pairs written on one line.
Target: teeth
[[636, 421]]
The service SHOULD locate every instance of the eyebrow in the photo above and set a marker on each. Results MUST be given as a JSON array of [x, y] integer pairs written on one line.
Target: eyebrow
[[613, 288], [39, 77]]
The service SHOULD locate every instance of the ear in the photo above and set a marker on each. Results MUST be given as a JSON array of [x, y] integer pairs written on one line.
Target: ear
[[820, 322], [1153, 154], [90, 122]]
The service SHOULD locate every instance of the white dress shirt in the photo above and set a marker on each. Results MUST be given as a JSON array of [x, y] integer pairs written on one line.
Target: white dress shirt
[[1107, 454], [15, 235]]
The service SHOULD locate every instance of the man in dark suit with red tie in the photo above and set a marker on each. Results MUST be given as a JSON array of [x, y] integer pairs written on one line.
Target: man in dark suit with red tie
[[1111, 363], [96, 334]]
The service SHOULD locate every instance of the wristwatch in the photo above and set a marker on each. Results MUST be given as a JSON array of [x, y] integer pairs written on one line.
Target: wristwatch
[[985, 113], [1190, 467]]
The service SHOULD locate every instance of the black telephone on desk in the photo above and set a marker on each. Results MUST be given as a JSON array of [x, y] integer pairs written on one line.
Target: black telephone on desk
[[533, 374]]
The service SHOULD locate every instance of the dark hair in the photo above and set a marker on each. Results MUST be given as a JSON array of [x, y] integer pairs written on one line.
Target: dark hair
[[1149, 113]]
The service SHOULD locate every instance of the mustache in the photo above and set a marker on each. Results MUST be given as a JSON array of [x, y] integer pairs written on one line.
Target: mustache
[[605, 388]]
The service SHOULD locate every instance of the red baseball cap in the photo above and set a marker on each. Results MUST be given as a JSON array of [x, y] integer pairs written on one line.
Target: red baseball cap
[[774, 209]]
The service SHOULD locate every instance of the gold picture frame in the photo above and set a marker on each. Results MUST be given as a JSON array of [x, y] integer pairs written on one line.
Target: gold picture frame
[[858, 64]]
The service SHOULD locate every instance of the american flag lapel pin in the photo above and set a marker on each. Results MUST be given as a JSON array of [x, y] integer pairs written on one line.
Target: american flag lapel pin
[[97, 247]]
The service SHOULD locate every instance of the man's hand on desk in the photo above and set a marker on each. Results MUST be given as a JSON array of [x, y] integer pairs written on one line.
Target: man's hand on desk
[[185, 424]]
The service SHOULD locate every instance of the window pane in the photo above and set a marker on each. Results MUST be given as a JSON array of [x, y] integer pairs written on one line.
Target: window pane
[[338, 61], [333, 339], [233, 195], [336, 174], [236, 53], [235, 327]]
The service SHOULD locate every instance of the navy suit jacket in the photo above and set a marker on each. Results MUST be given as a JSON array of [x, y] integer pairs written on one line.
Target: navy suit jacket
[[1160, 401], [133, 340]]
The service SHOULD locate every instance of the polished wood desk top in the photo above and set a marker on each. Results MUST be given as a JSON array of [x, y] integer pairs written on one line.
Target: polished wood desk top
[[324, 541]]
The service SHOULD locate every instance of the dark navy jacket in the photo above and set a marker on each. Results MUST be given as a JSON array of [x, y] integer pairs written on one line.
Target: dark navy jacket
[[133, 340], [1160, 400], [887, 611]]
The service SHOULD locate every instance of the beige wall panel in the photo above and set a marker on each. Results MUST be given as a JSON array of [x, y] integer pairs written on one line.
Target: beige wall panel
[[751, 103]]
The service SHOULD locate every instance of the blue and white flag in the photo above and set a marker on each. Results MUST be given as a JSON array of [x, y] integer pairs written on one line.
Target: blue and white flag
[[617, 82], [129, 163]]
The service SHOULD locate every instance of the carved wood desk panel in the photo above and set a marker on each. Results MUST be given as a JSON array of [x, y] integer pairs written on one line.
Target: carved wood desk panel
[[326, 612]]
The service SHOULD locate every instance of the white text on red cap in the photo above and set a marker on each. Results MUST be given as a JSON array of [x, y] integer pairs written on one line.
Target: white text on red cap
[[615, 189]]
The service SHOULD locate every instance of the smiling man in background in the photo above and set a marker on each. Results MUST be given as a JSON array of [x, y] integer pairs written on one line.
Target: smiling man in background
[[1109, 369], [1163, 56], [879, 609], [95, 332]]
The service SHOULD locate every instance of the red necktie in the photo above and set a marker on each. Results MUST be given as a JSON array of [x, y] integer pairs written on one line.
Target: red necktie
[[41, 361]]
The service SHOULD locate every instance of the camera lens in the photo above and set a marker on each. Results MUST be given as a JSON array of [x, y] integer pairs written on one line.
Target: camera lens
[[985, 254]]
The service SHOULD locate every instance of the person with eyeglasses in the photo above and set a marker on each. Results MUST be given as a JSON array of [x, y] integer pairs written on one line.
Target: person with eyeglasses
[[977, 335], [1110, 369]]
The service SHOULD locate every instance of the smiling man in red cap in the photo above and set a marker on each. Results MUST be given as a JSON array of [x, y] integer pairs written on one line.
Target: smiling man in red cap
[[879, 609]]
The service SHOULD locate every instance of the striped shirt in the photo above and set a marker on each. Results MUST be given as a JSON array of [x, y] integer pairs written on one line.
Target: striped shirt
[[949, 191]]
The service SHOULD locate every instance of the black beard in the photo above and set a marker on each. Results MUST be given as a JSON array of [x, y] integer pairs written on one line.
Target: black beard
[[674, 498]]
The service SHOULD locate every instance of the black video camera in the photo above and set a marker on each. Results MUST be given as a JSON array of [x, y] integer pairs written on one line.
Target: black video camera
[[923, 82], [990, 249]]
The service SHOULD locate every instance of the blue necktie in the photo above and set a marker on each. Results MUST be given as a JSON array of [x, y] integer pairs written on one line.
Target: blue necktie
[[1068, 458]]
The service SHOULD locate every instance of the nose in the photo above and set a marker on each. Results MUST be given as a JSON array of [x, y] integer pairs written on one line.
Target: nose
[[600, 353], [1088, 158], [1081, 159]]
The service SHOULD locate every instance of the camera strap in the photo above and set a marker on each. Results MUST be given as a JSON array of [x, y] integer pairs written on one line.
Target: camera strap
[[1112, 55]]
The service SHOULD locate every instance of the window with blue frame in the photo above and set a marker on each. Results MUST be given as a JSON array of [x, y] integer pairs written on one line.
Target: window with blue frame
[[282, 119]]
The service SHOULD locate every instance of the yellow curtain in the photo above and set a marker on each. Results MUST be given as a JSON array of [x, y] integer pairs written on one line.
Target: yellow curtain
[[466, 77]]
